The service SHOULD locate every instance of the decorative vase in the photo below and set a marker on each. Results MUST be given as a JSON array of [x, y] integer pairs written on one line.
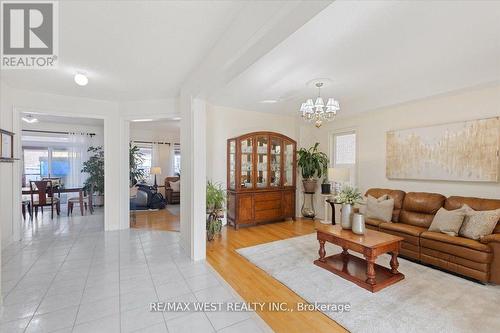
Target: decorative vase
[[309, 185], [308, 206], [358, 224], [346, 216], [325, 188]]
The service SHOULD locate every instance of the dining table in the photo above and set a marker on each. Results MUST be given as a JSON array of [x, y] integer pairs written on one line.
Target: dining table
[[79, 190]]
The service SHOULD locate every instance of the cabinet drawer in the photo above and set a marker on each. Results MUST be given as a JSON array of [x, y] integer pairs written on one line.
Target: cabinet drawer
[[271, 196], [265, 205], [268, 214]]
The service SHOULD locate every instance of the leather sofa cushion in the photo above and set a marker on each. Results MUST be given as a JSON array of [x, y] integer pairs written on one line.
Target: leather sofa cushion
[[403, 228], [373, 222], [397, 195], [419, 208], [454, 240], [455, 202]]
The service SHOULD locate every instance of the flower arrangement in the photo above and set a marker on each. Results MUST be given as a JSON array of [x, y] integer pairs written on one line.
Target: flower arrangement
[[348, 195]]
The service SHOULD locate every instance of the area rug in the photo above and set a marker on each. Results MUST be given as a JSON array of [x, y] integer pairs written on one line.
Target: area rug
[[427, 300]]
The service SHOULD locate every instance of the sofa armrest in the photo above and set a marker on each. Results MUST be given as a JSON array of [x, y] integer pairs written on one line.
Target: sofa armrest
[[493, 238], [493, 241]]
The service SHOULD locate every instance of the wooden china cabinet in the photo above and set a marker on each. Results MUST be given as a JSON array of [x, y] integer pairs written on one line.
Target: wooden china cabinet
[[261, 176]]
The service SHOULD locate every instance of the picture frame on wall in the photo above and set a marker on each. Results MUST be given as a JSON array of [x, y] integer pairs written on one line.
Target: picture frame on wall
[[6, 145]]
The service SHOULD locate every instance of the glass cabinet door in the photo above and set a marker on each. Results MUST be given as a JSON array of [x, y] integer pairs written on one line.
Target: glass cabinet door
[[246, 175], [262, 161], [276, 144], [288, 157], [232, 164]]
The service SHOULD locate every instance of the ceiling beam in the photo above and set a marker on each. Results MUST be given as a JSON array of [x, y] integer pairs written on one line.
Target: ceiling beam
[[257, 29]]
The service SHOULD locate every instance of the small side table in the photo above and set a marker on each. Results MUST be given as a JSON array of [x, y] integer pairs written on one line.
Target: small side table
[[332, 204], [326, 199]]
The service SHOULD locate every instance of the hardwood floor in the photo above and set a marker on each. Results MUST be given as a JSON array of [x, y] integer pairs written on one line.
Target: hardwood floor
[[157, 220], [254, 285]]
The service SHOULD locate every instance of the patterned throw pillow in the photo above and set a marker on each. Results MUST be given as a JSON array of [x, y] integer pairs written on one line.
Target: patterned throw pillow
[[175, 186], [380, 210], [448, 221], [478, 223]]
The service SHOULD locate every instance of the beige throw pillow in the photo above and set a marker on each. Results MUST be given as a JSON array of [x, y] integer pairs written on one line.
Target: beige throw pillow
[[362, 204], [448, 221], [479, 223], [175, 186], [380, 210]]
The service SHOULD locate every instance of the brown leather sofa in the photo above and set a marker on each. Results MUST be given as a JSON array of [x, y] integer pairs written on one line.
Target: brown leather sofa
[[412, 216], [172, 197]]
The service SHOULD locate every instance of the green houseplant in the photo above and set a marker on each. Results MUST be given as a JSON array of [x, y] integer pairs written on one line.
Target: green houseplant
[[94, 167], [136, 158], [313, 164], [216, 199]]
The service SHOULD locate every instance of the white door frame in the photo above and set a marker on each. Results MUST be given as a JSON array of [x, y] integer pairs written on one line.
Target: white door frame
[[17, 168]]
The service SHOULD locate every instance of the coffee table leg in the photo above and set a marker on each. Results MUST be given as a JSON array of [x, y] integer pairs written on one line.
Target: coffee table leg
[[370, 269], [394, 262], [322, 252]]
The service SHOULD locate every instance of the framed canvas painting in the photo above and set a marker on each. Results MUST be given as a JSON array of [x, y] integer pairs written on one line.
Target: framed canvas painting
[[461, 151]]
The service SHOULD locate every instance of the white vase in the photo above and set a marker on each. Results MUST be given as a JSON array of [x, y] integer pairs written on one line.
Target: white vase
[[358, 224], [346, 216]]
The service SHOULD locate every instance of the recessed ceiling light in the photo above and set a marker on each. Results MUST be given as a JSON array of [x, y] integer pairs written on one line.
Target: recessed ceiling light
[[29, 119], [81, 79], [269, 101], [141, 120]]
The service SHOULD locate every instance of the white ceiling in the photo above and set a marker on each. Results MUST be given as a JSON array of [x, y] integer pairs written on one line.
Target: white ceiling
[[44, 119], [377, 53], [130, 50], [166, 125]]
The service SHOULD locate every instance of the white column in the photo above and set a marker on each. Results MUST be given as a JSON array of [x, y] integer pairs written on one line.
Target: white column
[[116, 170], [193, 175]]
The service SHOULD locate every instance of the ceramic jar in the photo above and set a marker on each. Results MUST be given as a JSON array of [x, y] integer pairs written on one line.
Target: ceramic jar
[[358, 224]]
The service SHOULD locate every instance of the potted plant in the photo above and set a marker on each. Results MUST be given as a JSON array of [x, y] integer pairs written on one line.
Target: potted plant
[[216, 199], [348, 196], [313, 165], [94, 167], [136, 158]]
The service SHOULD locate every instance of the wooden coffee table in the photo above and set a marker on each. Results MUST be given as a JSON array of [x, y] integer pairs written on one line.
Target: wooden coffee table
[[364, 272]]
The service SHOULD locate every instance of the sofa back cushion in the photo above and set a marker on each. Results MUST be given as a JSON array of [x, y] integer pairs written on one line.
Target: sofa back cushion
[[397, 195], [419, 208], [455, 202]]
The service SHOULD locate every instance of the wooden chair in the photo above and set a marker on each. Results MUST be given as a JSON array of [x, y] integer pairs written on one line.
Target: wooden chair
[[172, 197], [45, 192], [87, 201], [26, 205]]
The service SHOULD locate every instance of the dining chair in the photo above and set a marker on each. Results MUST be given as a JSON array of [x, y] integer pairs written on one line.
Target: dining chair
[[87, 201], [45, 197]]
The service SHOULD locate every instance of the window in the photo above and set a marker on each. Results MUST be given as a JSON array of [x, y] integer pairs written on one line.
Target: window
[[177, 159], [344, 153], [147, 156]]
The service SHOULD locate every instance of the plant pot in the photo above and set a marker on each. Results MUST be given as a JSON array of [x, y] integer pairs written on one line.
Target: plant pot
[[346, 216], [326, 188], [98, 200], [309, 185]]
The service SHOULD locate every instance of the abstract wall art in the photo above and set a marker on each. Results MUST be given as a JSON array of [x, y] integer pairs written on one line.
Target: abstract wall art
[[461, 151]]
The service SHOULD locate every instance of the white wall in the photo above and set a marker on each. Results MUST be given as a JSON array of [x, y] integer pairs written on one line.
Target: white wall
[[371, 127], [97, 140]]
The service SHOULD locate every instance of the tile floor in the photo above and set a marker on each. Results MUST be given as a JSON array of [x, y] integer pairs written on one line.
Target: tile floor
[[68, 275]]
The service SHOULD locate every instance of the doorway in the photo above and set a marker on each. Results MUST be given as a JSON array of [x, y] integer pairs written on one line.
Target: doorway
[[155, 156]]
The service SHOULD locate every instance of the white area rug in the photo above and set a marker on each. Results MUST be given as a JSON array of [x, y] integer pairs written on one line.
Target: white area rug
[[427, 300]]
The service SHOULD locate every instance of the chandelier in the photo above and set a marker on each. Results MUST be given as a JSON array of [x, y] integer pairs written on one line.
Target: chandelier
[[318, 112]]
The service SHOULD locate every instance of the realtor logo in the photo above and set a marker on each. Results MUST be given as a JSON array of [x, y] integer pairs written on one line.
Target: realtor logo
[[29, 34]]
